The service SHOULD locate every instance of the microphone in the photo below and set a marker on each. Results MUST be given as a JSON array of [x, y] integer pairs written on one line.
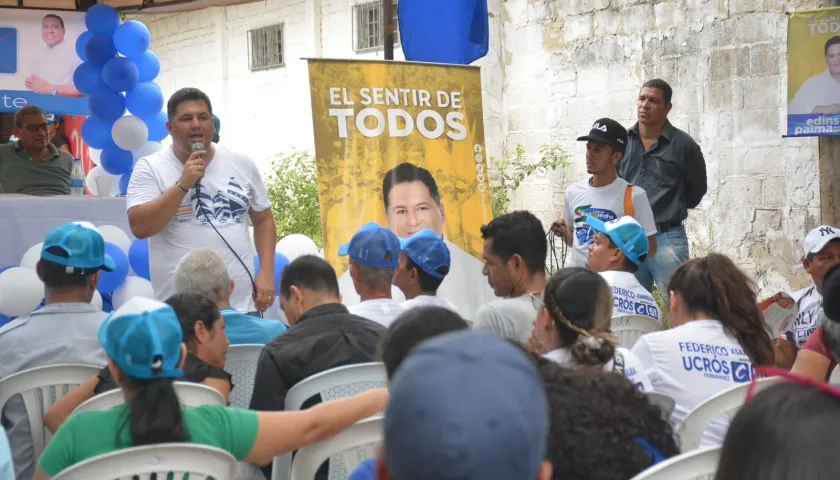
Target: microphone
[[197, 147]]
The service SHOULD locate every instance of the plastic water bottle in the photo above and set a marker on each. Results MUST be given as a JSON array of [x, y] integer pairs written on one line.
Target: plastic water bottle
[[77, 178]]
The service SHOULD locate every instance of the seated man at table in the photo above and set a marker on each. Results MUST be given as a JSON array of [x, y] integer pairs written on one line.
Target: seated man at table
[[63, 331], [32, 165]]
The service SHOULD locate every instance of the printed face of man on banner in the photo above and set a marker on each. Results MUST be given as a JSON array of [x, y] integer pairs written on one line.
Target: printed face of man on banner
[[412, 201]]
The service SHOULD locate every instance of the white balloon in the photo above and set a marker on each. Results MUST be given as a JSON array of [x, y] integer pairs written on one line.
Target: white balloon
[[88, 225], [296, 245], [21, 291], [133, 287], [96, 301], [90, 180], [115, 235], [146, 150], [94, 154], [31, 257], [130, 132]]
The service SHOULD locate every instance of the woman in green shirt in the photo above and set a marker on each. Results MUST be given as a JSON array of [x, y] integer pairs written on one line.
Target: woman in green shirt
[[143, 340]]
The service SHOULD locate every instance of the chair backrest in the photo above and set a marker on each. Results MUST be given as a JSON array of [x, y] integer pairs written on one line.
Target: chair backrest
[[727, 402], [190, 395], [701, 463], [664, 402], [40, 388], [332, 384], [354, 444], [630, 328], [180, 459], [241, 363], [834, 379]]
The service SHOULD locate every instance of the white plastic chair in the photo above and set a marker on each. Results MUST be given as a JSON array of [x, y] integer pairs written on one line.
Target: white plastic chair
[[727, 402], [356, 444], [834, 379], [189, 394], [241, 363], [630, 328], [332, 384], [198, 461], [664, 402], [40, 388], [702, 463]]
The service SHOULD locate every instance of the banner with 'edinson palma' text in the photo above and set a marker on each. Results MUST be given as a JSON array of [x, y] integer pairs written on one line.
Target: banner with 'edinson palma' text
[[814, 73], [371, 116]]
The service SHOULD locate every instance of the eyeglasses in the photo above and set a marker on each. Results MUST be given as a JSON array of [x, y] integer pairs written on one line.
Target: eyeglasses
[[778, 372], [537, 301], [35, 127]]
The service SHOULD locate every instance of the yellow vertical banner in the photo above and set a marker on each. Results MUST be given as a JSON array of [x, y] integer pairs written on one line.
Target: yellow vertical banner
[[372, 116]]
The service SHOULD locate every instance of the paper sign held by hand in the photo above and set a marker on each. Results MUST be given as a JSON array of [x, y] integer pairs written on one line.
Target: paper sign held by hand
[[779, 312]]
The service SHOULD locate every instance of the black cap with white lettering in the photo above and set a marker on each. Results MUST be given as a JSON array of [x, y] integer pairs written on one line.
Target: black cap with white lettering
[[608, 131]]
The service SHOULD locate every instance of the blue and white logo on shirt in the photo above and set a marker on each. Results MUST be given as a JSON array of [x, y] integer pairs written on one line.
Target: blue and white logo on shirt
[[713, 363], [741, 372]]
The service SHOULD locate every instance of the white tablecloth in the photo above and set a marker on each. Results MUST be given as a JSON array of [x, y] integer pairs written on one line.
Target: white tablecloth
[[25, 220]]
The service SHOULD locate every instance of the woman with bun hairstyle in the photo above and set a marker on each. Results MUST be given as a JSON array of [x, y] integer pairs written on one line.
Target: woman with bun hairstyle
[[573, 322], [144, 343]]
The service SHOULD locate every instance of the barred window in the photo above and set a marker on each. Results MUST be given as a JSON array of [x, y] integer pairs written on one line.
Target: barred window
[[265, 45], [367, 23]]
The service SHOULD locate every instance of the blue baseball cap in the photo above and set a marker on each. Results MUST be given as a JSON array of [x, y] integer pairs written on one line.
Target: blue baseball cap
[[371, 245], [626, 234], [466, 405], [85, 249], [143, 338], [428, 251]]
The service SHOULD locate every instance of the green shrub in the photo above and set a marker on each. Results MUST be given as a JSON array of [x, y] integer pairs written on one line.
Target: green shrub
[[292, 186]]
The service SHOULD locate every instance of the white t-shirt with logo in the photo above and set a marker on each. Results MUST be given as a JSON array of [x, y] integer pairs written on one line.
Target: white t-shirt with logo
[[509, 318], [809, 302], [630, 297], [818, 91], [382, 310], [429, 301], [692, 363], [605, 203], [231, 187], [633, 370]]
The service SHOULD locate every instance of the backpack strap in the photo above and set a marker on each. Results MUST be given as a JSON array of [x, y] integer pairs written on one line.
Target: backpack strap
[[618, 363], [628, 201]]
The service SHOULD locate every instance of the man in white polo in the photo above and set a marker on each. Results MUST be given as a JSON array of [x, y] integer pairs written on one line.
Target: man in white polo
[[55, 65]]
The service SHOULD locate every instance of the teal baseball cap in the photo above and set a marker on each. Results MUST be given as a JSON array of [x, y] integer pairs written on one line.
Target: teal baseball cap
[[218, 123], [85, 249], [143, 338], [626, 233]]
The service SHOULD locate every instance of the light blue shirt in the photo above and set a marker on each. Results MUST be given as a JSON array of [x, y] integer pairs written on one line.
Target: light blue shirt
[[7, 468], [244, 329], [55, 334], [365, 471]]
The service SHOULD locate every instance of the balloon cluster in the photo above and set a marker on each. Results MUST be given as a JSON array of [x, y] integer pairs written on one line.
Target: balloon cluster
[[117, 75], [22, 292]]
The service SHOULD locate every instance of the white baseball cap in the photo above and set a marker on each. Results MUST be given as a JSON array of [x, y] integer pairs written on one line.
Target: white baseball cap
[[819, 237]]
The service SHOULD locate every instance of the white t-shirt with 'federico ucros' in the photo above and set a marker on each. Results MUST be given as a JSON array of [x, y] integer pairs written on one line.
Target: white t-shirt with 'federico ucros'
[[630, 297], [632, 369], [692, 363], [605, 203], [231, 187]]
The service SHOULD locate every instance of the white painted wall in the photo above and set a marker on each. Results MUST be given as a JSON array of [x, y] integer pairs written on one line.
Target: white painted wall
[[554, 67]]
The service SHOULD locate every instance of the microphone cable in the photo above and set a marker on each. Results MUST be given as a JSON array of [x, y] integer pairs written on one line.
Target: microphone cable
[[555, 261], [209, 222]]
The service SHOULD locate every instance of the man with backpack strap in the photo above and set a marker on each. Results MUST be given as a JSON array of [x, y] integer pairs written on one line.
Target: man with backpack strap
[[604, 195]]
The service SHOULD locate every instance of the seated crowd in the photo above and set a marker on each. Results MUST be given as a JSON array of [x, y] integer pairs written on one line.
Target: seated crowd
[[535, 387]]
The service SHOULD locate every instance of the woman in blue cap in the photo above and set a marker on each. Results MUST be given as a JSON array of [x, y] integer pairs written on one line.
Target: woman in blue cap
[[143, 340]]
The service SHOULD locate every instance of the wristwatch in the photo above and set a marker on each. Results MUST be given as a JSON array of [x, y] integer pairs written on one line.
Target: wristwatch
[[53, 89]]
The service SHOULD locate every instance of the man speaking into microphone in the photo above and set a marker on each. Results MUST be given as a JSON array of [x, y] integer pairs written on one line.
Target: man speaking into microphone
[[196, 194]]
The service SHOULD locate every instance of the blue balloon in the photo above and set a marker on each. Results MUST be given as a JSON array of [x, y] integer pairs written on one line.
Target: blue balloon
[[132, 38], [124, 179], [102, 19], [97, 133], [148, 65], [106, 105], [120, 74], [115, 160], [138, 258], [87, 78], [3, 269], [145, 100], [157, 126], [81, 43], [280, 264], [4, 319], [107, 302], [99, 50], [110, 281]]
